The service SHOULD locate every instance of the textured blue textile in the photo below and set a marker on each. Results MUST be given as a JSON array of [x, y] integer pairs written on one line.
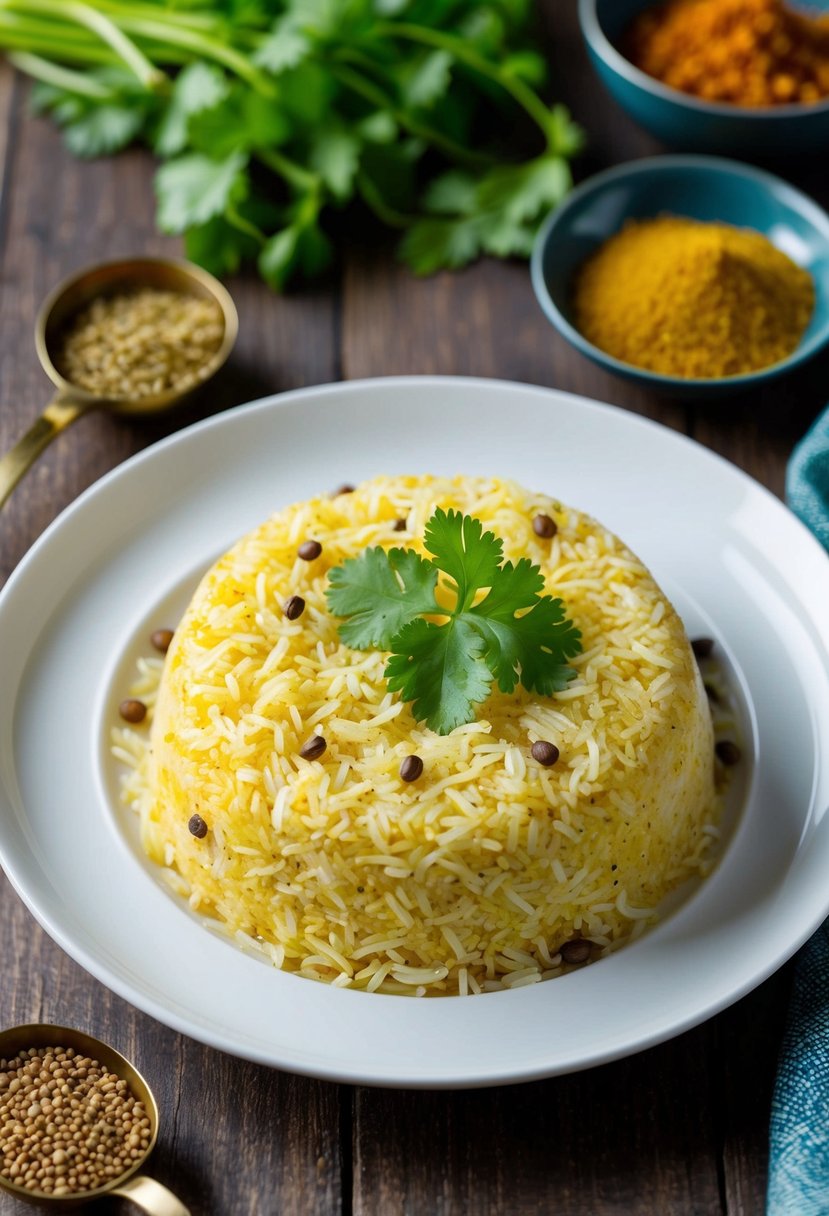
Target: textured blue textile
[[799, 1156]]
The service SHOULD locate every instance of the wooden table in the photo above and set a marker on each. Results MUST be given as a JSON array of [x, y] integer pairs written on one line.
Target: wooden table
[[674, 1131]]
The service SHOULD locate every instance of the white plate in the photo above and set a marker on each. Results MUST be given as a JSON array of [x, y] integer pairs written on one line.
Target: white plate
[[128, 553]]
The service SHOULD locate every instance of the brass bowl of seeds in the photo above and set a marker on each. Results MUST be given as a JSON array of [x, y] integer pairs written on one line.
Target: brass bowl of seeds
[[77, 1122], [133, 336]]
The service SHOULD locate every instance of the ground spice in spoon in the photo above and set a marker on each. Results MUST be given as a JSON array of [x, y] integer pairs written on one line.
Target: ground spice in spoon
[[67, 1124], [141, 343]]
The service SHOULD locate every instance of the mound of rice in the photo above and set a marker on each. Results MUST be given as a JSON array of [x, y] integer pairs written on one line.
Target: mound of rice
[[474, 876]]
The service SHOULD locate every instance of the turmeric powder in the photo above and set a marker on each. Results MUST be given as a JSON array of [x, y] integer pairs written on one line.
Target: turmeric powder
[[695, 300], [742, 52]]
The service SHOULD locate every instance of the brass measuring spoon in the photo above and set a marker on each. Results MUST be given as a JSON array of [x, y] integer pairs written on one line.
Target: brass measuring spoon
[[70, 400], [145, 1192]]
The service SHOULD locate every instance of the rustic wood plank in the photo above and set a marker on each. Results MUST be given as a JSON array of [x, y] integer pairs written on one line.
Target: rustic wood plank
[[632, 1138], [237, 1139]]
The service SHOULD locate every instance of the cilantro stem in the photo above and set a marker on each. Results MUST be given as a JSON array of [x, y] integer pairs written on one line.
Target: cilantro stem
[[241, 224], [189, 18], [288, 169], [374, 200], [374, 94], [22, 35], [151, 77], [202, 44], [61, 78], [529, 101]]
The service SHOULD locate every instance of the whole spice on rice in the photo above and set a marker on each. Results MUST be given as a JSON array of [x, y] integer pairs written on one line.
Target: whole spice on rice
[[67, 1124], [692, 300], [294, 607], [309, 550], [161, 639], [576, 951], [411, 768], [741, 52], [544, 526], [132, 710], [141, 343], [544, 752]]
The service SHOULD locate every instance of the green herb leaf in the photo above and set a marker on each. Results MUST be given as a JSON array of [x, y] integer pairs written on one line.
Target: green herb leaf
[[441, 670], [106, 129], [520, 193], [218, 246], [461, 548], [436, 244], [199, 86], [380, 592], [193, 189], [535, 643], [426, 79], [300, 248], [241, 121], [335, 155], [511, 634], [286, 46]]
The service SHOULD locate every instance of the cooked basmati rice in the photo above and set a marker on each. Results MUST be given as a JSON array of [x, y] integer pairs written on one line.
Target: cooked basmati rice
[[472, 877]]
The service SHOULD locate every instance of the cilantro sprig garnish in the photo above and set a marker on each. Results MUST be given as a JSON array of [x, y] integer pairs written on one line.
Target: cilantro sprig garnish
[[511, 634]]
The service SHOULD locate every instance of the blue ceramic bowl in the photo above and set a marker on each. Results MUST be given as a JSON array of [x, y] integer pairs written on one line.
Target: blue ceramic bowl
[[683, 121], [701, 188]]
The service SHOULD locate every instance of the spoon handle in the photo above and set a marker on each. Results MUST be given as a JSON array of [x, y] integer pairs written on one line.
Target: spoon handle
[[57, 415], [151, 1197]]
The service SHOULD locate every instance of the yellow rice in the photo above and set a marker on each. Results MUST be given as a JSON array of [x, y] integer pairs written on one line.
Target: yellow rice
[[472, 877]]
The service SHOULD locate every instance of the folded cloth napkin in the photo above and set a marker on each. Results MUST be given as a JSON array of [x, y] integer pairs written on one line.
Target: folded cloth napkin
[[799, 1150]]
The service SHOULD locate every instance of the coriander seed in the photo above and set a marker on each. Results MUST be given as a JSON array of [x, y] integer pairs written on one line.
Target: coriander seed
[[67, 1124]]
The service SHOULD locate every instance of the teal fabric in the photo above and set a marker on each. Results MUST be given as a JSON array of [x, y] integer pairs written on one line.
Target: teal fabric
[[807, 479], [799, 1148]]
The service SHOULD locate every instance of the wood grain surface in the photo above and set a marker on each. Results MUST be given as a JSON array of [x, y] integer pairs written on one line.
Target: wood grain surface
[[679, 1130]]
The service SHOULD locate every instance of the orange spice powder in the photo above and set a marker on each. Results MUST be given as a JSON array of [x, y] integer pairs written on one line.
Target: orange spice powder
[[742, 52]]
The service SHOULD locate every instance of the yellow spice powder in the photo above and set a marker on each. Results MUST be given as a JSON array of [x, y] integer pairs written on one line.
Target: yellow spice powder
[[694, 300]]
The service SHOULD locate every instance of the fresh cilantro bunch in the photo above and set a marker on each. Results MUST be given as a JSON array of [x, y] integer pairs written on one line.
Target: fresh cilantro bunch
[[271, 115], [445, 668]]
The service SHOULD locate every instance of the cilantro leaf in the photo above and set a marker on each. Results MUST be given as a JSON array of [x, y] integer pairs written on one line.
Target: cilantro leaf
[[192, 189], [441, 670], [199, 86], [523, 192], [426, 79], [218, 246], [108, 128], [440, 244], [512, 634], [453, 193], [380, 592], [335, 155], [461, 548], [241, 120], [301, 246], [535, 643], [284, 47]]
